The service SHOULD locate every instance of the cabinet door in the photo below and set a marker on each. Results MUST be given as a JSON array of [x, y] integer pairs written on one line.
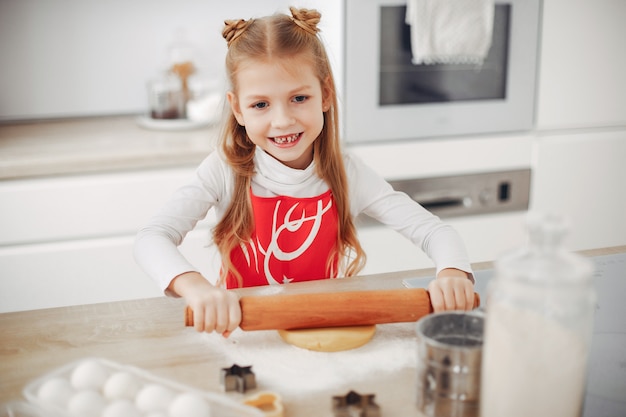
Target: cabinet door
[[86, 271], [69, 273], [486, 237], [83, 207], [68, 240], [582, 65], [581, 176]]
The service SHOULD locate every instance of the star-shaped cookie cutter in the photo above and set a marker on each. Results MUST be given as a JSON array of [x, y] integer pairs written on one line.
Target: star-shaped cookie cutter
[[355, 405], [238, 378]]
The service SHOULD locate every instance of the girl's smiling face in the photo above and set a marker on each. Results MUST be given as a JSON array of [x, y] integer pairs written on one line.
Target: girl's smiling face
[[282, 107]]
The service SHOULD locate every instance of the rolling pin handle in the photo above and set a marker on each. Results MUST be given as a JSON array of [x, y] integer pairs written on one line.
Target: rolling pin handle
[[476, 301], [188, 316]]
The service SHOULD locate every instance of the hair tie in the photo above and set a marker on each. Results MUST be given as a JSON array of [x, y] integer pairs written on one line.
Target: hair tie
[[306, 19], [234, 28]]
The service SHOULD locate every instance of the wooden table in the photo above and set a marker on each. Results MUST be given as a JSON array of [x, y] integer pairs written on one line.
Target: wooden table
[[150, 334]]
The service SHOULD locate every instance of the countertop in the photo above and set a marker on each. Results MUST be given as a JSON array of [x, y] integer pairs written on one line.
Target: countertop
[[35, 149], [150, 334], [78, 146]]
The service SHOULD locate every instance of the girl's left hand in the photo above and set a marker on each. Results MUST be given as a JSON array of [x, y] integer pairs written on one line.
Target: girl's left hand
[[451, 290]]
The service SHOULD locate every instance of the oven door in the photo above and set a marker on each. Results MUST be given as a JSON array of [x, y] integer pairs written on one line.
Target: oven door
[[387, 97]]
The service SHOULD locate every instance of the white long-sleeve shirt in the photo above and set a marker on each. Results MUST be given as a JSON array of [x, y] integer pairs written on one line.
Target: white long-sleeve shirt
[[156, 246]]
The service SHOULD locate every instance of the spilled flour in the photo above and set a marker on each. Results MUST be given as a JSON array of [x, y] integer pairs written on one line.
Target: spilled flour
[[284, 368]]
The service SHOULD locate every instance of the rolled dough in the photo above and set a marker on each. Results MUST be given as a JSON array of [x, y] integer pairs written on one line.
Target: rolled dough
[[330, 339]]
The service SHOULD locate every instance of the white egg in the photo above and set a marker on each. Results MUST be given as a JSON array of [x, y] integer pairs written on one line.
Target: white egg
[[121, 408], [189, 405], [89, 374], [121, 385], [57, 391], [86, 403], [156, 414], [154, 397]]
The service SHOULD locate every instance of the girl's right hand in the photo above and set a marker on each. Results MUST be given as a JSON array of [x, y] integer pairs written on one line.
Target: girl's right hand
[[214, 309]]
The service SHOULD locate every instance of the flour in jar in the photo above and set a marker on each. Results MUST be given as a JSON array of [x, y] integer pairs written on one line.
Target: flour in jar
[[532, 366]]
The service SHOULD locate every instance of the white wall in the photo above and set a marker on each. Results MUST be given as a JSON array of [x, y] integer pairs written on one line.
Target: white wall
[[74, 58]]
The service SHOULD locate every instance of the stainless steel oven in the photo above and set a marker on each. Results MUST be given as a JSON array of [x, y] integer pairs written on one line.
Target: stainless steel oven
[[457, 138], [388, 97]]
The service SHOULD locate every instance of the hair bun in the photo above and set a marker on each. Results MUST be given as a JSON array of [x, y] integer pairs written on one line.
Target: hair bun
[[233, 29], [307, 19]]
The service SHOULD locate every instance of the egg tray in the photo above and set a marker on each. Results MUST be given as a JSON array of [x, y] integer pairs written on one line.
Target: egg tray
[[20, 409], [219, 405]]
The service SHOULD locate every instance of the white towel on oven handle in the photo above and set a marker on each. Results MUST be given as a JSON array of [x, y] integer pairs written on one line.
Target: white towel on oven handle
[[450, 31]]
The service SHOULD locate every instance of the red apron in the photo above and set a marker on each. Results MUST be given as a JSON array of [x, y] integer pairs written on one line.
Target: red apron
[[292, 241]]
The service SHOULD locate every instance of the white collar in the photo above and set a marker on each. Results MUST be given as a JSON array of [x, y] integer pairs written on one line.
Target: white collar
[[275, 171]]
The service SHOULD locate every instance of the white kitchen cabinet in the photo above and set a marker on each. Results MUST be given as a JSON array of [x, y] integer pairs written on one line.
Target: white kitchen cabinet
[[85, 206], [67, 273], [581, 175], [580, 145], [486, 237], [582, 65], [83, 272], [68, 240]]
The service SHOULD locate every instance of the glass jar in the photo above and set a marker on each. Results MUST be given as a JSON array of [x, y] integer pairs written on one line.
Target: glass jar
[[538, 326], [166, 98], [205, 103]]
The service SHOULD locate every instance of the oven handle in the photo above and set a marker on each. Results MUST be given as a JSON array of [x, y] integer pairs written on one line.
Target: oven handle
[[433, 201]]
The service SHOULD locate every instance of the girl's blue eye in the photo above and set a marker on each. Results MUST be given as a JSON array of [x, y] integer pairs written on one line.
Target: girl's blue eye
[[299, 99], [260, 105]]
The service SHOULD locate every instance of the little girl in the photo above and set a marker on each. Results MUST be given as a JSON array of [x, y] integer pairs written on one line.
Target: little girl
[[284, 192]]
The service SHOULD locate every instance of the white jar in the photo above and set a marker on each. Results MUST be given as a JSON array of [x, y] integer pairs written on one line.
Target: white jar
[[538, 327]]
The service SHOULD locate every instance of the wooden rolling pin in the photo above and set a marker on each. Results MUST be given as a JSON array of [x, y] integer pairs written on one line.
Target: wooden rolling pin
[[352, 308]]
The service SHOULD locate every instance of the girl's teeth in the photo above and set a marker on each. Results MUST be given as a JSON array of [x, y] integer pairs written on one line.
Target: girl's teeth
[[286, 139]]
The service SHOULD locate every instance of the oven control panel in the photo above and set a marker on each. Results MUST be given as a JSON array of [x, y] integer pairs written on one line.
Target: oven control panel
[[471, 194]]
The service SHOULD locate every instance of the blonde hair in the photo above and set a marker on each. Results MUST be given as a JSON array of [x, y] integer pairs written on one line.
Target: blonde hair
[[282, 37]]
